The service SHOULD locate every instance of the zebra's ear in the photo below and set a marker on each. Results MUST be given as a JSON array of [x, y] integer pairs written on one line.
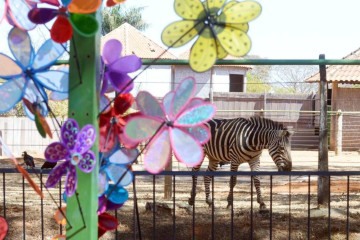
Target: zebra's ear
[[285, 133]]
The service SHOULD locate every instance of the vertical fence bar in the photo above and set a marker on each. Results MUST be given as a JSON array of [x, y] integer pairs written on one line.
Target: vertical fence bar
[[193, 212], [154, 209], [271, 203], [212, 208], [60, 205], [251, 208], [23, 192], [4, 196], [329, 209], [116, 230], [289, 207], [134, 209], [174, 216], [42, 208], [308, 201], [232, 215], [347, 207]]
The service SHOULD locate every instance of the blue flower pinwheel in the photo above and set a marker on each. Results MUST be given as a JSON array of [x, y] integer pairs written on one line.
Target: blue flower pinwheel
[[114, 175], [29, 75]]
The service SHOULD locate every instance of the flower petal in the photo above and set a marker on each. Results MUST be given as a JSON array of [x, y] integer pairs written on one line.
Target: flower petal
[[61, 30], [121, 82], [140, 128], [111, 51], [149, 105], [107, 138], [103, 183], [19, 10], [58, 96], [126, 64], [85, 139], [167, 103], [84, 24], [119, 174], [214, 5], [124, 156], [203, 52], [186, 148], [118, 194], [196, 116], [242, 12], [35, 94], [84, 6], [54, 80], [11, 92], [158, 153], [42, 15], [88, 162], [55, 174], [48, 53], [188, 9], [107, 222], [69, 131], [9, 68], [234, 41], [183, 93], [20, 46], [122, 103], [56, 151], [200, 133], [71, 181], [52, 2], [179, 33]]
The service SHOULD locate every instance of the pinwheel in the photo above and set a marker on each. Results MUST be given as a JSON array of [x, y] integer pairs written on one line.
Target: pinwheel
[[117, 68], [28, 75], [113, 121], [62, 29], [16, 13], [74, 148], [220, 25], [113, 176], [168, 126]]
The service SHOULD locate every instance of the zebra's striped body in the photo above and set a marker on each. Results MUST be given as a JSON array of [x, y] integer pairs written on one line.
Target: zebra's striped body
[[235, 141]]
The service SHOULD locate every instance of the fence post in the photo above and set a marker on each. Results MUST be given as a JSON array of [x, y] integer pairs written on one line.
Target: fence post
[[323, 181], [339, 126], [83, 106], [1, 147]]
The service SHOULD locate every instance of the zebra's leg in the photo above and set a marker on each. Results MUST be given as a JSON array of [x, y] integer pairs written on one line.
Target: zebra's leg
[[233, 181], [193, 189], [255, 167], [213, 165]]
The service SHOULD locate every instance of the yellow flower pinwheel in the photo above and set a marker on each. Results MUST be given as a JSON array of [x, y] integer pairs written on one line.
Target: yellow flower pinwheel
[[221, 25]]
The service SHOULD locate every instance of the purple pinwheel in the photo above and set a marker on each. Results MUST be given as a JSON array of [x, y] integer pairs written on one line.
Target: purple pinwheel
[[175, 125], [75, 149], [117, 68], [28, 75]]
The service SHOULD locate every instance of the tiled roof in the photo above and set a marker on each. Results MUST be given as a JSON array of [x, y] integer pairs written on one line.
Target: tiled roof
[[341, 73], [135, 42], [185, 55]]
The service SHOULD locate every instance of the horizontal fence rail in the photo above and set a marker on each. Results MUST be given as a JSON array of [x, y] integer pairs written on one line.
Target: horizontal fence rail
[[291, 199]]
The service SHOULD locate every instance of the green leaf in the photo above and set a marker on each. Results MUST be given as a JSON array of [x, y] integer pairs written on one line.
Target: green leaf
[[39, 126]]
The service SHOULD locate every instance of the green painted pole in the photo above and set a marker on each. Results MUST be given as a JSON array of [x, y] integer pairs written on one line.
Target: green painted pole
[[83, 106]]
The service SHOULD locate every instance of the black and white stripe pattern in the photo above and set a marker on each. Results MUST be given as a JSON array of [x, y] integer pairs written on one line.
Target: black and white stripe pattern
[[235, 141]]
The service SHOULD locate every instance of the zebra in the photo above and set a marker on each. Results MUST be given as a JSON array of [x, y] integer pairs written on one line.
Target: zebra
[[239, 140]]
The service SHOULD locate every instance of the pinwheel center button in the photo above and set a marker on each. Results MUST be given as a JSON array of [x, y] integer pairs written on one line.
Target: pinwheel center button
[[75, 158]]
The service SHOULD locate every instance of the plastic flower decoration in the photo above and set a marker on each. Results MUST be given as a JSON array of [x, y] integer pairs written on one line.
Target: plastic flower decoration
[[16, 13], [74, 148], [28, 75], [113, 121], [62, 29], [220, 24], [114, 175], [170, 126], [117, 68]]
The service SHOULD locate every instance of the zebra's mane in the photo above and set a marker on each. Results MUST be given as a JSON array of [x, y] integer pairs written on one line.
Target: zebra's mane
[[267, 121]]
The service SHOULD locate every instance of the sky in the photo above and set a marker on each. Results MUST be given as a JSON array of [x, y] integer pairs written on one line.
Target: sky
[[296, 29]]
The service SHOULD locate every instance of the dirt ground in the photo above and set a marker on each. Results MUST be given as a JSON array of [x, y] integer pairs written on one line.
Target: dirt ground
[[290, 205]]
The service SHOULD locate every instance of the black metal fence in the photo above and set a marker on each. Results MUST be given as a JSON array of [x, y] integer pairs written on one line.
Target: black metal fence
[[291, 199]]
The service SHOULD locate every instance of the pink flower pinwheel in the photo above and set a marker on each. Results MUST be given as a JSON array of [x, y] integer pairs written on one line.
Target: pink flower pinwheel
[[75, 149], [177, 124], [117, 68]]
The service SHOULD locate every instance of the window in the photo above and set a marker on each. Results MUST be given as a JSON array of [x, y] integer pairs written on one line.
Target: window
[[236, 83]]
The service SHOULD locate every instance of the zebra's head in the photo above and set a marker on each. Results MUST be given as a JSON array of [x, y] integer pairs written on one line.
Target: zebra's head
[[280, 150]]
